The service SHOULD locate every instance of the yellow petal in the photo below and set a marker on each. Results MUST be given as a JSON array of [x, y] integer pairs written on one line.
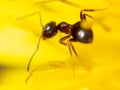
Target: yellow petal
[[96, 68]]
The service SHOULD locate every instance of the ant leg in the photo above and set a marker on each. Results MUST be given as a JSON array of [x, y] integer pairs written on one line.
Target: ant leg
[[46, 1], [70, 45], [83, 16], [71, 3], [63, 1], [69, 48], [63, 39]]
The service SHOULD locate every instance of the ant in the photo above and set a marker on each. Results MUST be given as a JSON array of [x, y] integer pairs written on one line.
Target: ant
[[77, 31]]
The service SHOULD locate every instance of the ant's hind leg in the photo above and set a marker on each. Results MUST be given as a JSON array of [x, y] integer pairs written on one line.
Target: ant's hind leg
[[61, 41], [70, 45], [63, 1], [45, 1], [71, 3], [83, 16]]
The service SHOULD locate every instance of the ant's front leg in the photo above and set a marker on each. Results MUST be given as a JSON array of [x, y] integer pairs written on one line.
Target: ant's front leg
[[61, 41], [69, 44]]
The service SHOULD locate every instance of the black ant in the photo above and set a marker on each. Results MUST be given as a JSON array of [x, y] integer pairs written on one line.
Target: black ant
[[77, 31]]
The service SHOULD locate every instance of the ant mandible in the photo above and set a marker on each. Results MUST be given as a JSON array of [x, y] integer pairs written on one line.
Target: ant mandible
[[76, 31]]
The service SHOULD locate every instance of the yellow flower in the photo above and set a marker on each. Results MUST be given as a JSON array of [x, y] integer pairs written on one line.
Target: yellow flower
[[96, 68]]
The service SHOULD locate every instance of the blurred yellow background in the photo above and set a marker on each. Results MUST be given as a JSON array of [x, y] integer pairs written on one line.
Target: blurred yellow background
[[96, 68]]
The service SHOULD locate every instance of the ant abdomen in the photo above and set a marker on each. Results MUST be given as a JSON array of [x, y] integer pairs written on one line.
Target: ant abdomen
[[81, 34]]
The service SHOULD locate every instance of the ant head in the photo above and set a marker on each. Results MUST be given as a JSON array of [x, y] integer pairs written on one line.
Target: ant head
[[49, 30]]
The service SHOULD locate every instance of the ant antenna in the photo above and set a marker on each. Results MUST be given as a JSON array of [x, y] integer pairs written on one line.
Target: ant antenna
[[28, 67], [63, 1], [31, 15]]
